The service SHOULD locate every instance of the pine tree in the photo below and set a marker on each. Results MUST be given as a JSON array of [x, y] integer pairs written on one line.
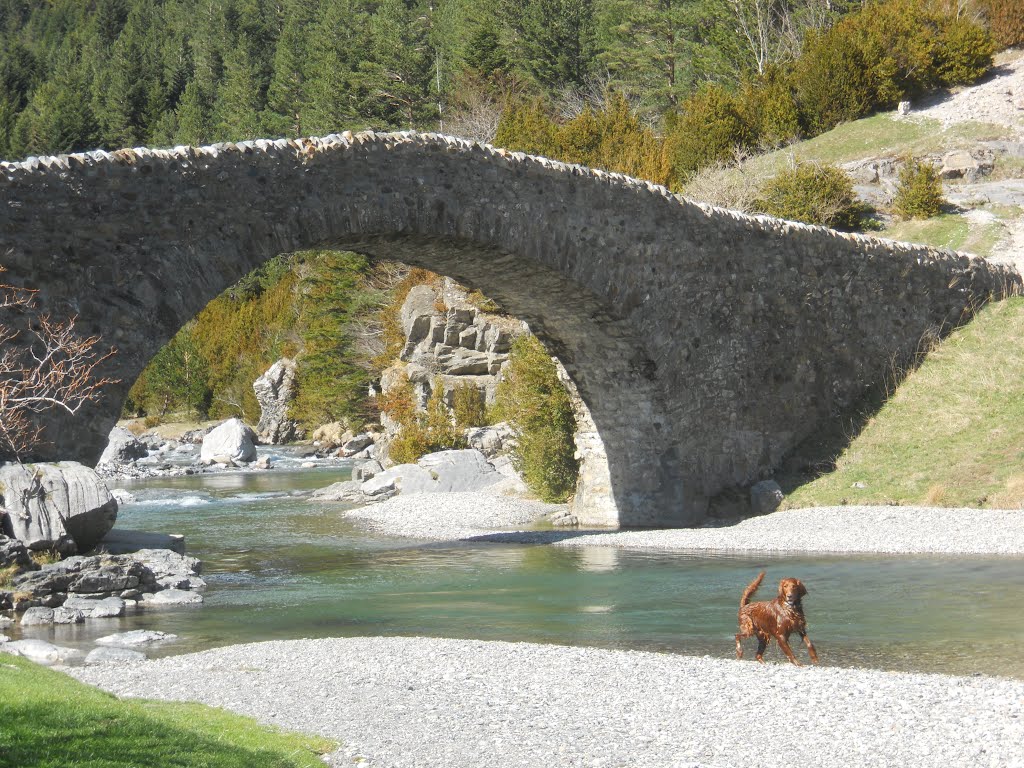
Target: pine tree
[[555, 39], [333, 95], [194, 124], [285, 95], [398, 73], [239, 102]]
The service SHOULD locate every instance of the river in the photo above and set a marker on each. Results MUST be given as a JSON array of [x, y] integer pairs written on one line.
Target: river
[[281, 566]]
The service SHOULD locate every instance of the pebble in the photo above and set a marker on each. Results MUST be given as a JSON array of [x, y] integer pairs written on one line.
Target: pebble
[[407, 701]]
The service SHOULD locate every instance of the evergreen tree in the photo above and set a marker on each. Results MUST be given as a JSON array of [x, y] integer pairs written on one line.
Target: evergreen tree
[[333, 94], [555, 39], [239, 102], [285, 95], [398, 73], [193, 118], [57, 118]]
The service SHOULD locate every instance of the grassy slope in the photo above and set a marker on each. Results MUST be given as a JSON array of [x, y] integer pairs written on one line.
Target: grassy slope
[[49, 720], [953, 432]]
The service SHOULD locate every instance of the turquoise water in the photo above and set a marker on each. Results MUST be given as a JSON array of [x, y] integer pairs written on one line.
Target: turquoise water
[[279, 567]]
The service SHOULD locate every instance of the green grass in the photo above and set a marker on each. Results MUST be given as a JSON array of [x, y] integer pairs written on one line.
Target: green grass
[[952, 434], [948, 230], [50, 720]]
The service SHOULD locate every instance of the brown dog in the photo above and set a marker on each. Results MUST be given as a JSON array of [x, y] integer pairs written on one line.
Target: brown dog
[[778, 618]]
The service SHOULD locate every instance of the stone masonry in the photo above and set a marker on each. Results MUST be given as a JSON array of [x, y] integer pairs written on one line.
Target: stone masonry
[[707, 344]]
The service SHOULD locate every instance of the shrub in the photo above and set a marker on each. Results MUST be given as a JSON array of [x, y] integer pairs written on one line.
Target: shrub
[[769, 107], [708, 129], [815, 195], [421, 432], [919, 192], [468, 406], [534, 402], [964, 53], [1005, 21], [831, 82]]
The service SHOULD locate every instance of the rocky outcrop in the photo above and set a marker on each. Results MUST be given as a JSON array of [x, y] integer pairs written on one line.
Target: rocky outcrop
[[64, 507], [105, 586], [275, 391], [230, 442], [451, 343], [123, 447]]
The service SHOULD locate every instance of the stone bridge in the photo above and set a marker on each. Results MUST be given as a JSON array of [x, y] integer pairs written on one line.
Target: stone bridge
[[707, 344]]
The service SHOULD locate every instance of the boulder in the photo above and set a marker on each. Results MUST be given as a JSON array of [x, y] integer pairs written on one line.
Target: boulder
[[275, 391], [113, 655], [136, 637], [125, 540], [456, 471], [356, 444], [35, 617], [64, 615], [171, 569], [122, 448], [961, 164], [171, 597], [348, 490], [65, 507], [765, 497], [366, 470], [331, 435], [233, 440], [403, 478], [86, 575], [417, 312], [40, 651], [457, 361], [14, 552], [490, 441]]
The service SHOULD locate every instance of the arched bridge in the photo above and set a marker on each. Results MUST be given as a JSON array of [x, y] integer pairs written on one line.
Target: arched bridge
[[707, 344]]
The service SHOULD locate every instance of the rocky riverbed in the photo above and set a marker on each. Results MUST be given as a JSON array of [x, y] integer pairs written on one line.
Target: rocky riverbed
[[428, 702]]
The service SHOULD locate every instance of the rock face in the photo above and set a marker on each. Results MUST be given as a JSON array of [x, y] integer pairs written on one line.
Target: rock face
[[123, 447], [275, 391], [65, 507], [233, 440], [449, 342], [14, 552]]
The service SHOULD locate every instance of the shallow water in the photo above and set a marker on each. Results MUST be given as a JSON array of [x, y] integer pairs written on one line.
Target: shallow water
[[280, 567]]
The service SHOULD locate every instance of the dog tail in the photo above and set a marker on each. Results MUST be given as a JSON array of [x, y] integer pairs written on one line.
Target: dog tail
[[751, 589]]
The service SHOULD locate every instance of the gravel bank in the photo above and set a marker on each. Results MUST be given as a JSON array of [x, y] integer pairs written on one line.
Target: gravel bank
[[895, 530], [451, 516], [427, 702]]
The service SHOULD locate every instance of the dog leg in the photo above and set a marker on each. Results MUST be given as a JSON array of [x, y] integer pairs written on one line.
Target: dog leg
[[739, 647], [762, 643], [810, 647], [784, 645]]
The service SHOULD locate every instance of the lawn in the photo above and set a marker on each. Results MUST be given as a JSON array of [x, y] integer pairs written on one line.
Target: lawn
[[50, 720]]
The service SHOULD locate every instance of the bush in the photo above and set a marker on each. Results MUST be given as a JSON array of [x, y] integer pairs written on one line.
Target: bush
[[831, 82], [815, 195], [1005, 21], [421, 432], [769, 107], [708, 129], [534, 402], [964, 53], [469, 407], [919, 193]]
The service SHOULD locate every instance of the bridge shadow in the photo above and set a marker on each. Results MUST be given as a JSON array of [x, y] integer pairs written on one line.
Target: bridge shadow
[[537, 537]]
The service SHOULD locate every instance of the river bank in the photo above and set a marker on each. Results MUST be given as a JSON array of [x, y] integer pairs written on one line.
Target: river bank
[[849, 529], [424, 702]]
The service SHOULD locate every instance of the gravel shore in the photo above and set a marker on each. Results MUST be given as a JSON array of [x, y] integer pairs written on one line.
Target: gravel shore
[[430, 702], [896, 530]]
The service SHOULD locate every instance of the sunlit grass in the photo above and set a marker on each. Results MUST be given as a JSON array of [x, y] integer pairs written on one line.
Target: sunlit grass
[[50, 720], [952, 434]]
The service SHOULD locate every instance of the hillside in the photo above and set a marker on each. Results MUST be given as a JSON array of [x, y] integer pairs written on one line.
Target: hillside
[[951, 433]]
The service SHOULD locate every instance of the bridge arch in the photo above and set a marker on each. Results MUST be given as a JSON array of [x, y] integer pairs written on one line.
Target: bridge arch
[[705, 343]]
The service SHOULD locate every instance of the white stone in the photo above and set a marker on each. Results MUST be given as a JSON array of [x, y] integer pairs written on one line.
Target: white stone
[[233, 439]]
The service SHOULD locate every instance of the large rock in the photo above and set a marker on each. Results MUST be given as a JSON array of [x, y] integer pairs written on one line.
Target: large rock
[[442, 472], [232, 439], [123, 447], [14, 552], [113, 655], [135, 637], [417, 312], [40, 651], [171, 569], [87, 575], [765, 497], [491, 440], [65, 507], [275, 391]]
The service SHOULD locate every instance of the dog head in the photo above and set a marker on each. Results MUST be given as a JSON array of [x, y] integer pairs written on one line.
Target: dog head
[[791, 590]]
